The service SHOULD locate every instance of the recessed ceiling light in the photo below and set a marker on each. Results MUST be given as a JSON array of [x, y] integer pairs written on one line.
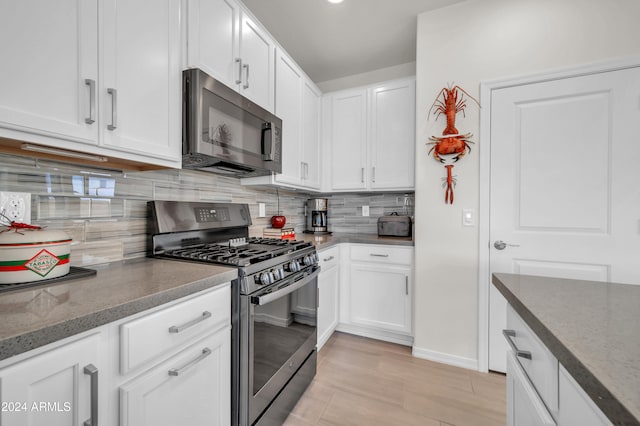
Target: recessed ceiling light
[[335, 1]]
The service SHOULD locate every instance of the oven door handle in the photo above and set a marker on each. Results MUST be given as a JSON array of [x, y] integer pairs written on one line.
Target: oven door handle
[[283, 291]]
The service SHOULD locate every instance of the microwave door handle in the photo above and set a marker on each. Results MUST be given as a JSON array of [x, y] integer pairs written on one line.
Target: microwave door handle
[[270, 297], [268, 141]]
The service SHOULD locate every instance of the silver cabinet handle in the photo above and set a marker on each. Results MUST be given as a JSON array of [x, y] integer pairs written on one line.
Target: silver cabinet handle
[[239, 62], [362, 174], [114, 109], [508, 334], [180, 328], [302, 169], [378, 255], [306, 170], [92, 371], [406, 285], [501, 245], [328, 258], [246, 81], [176, 371], [92, 101], [373, 174]]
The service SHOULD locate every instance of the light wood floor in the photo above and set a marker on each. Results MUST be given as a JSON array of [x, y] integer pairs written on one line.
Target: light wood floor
[[367, 382]]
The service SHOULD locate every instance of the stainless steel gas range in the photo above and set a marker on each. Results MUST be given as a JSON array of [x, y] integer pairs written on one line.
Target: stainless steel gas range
[[274, 301]]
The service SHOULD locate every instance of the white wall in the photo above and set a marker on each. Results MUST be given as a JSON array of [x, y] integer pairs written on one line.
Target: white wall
[[467, 43], [367, 78]]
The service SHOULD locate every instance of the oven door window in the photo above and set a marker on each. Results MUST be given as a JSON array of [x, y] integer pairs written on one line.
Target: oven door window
[[280, 328]]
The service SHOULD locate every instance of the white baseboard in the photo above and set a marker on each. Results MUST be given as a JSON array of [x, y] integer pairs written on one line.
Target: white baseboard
[[387, 336], [443, 358]]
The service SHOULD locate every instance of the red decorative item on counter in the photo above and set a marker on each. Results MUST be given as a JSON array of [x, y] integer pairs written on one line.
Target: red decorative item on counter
[[452, 145], [278, 221]]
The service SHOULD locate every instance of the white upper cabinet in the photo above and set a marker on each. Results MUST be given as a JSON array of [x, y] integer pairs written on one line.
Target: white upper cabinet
[[370, 135], [50, 70], [347, 136], [392, 138], [298, 105], [311, 98], [213, 39], [289, 109], [141, 86], [92, 77], [226, 43]]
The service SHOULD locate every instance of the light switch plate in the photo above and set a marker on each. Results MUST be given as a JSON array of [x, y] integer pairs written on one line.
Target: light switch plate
[[468, 217], [365, 210], [261, 210], [16, 206]]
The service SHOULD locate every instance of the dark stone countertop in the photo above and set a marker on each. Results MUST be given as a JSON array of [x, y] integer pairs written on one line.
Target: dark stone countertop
[[37, 316], [592, 328], [325, 241]]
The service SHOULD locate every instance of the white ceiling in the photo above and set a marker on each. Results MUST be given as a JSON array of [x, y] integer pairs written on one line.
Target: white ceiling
[[330, 41]]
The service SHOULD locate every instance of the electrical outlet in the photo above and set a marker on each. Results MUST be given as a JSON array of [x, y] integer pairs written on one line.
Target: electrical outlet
[[261, 210], [16, 206], [365, 210]]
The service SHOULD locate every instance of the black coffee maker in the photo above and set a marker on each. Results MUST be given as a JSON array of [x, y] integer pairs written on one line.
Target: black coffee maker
[[316, 213]]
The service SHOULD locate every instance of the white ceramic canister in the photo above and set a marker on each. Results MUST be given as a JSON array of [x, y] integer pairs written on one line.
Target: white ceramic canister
[[33, 254]]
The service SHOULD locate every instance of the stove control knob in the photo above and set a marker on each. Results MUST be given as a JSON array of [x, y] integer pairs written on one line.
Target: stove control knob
[[293, 266], [278, 273], [266, 278], [307, 260]]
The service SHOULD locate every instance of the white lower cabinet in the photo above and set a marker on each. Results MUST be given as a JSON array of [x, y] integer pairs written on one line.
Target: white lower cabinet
[[54, 387], [190, 388], [540, 391], [328, 287], [185, 380], [376, 295], [524, 406]]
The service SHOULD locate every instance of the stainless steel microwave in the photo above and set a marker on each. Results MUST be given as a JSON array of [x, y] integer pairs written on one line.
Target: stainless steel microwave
[[224, 132]]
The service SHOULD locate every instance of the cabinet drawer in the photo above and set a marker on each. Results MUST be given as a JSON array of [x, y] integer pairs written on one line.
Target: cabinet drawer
[[329, 258], [542, 368], [153, 335], [382, 254]]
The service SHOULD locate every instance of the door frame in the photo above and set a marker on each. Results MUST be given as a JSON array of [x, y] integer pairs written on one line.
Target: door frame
[[484, 232]]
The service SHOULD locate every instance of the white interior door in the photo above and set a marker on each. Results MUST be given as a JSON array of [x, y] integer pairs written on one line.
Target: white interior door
[[564, 184]]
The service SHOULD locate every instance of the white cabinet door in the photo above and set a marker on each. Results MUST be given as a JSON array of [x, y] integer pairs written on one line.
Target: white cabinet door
[[50, 67], [289, 109], [328, 282], [51, 389], [524, 406], [348, 134], [141, 84], [379, 296], [257, 51], [192, 388], [310, 134], [392, 137], [213, 32], [576, 407]]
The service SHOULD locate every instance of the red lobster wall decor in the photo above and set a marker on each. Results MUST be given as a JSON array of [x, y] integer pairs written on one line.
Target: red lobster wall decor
[[452, 145]]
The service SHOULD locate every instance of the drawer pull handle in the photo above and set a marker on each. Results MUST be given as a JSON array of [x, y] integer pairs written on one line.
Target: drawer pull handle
[[92, 371], [378, 255], [328, 258], [508, 334], [180, 328], [176, 371]]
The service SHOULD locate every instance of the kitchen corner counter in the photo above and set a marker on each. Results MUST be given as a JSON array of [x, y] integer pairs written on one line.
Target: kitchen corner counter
[[37, 316], [592, 329], [325, 241]]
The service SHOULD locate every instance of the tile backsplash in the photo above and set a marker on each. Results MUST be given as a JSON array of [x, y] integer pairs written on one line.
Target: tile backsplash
[[104, 211]]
